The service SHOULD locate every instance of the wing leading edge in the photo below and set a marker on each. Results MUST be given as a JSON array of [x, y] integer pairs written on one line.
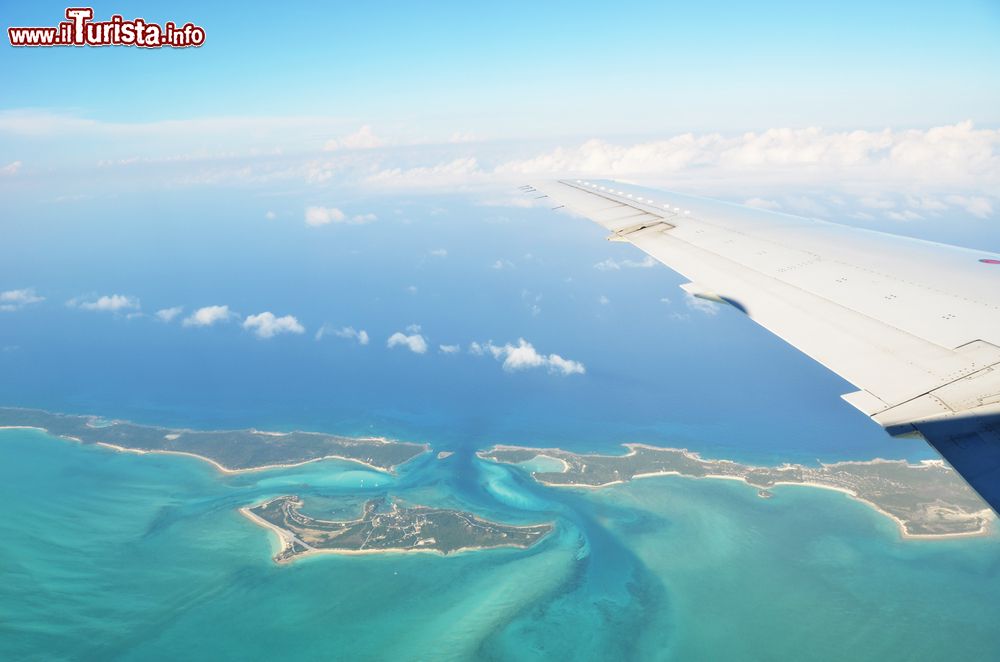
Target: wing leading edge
[[914, 325]]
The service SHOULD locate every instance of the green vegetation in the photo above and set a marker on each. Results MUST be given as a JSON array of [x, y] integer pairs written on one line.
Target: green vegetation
[[387, 527], [231, 450], [927, 499]]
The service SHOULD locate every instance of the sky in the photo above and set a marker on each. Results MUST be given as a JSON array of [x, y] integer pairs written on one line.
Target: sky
[[767, 102], [515, 70], [316, 214]]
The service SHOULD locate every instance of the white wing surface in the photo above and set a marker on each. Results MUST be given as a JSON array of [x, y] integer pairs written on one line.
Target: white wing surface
[[914, 325]]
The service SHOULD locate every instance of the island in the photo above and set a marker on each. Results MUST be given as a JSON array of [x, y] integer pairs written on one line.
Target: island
[[926, 500], [386, 526], [229, 450]]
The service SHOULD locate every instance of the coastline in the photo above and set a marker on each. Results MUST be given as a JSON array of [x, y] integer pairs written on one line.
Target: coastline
[[287, 539], [227, 470], [983, 530], [986, 515], [173, 433]]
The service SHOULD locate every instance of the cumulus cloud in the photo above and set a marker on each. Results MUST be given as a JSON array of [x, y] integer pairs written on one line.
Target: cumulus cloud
[[615, 265], [524, 356], [349, 332], [168, 314], [317, 216], [209, 316], [449, 349], [414, 342], [502, 264], [11, 168], [16, 299], [108, 303], [363, 138], [267, 325]]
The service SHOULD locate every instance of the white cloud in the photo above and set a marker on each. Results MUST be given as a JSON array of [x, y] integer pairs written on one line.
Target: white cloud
[[460, 172], [449, 349], [871, 167], [270, 215], [603, 300], [168, 314], [954, 151], [349, 332], [614, 265], [208, 316], [439, 252], [523, 356], [11, 168], [266, 325], [107, 303], [412, 289], [317, 216], [414, 342], [16, 299], [502, 264], [701, 305], [363, 138], [976, 205]]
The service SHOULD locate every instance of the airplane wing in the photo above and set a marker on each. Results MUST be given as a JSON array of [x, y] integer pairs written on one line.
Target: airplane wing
[[914, 325]]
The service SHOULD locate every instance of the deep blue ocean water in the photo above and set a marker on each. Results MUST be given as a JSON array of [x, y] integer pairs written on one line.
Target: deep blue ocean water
[[111, 555], [657, 371]]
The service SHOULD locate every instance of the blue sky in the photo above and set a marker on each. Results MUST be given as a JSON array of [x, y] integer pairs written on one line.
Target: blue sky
[[525, 70]]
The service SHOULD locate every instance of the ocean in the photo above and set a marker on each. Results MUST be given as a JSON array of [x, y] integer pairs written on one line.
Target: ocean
[[658, 370], [121, 556], [118, 556]]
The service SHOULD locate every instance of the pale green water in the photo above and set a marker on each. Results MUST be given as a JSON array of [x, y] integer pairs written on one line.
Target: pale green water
[[113, 555]]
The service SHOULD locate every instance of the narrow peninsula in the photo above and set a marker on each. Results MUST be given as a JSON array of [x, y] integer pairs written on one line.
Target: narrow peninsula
[[229, 450], [926, 500], [386, 526]]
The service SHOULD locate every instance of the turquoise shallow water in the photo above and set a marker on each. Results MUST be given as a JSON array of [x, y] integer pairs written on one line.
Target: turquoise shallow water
[[117, 556]]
